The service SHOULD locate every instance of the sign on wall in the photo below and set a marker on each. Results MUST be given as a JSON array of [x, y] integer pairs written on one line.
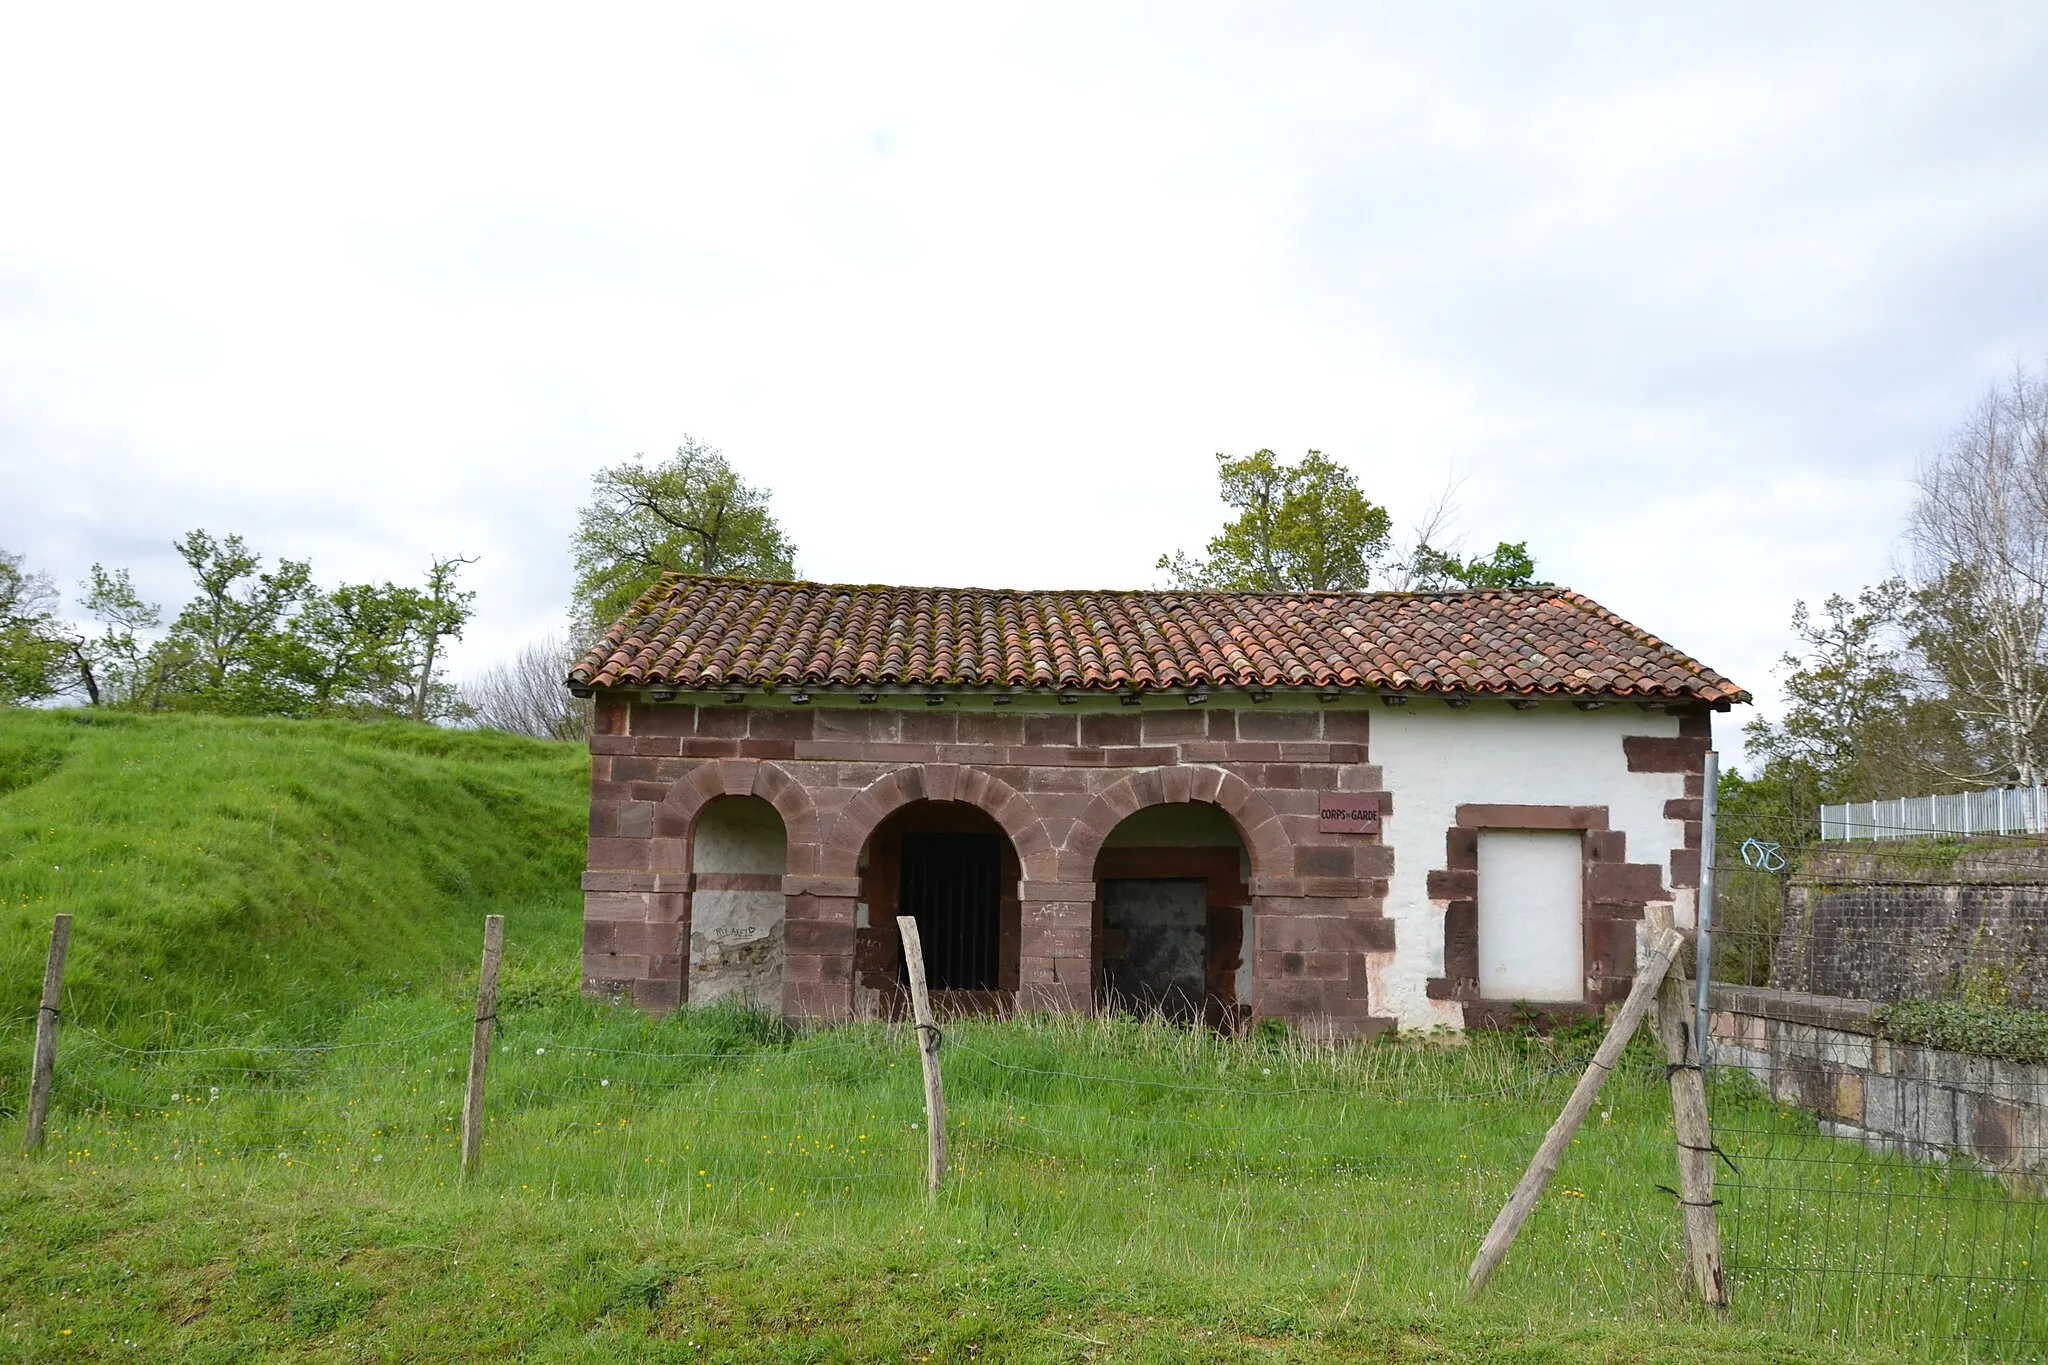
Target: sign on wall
[[1349, 813]]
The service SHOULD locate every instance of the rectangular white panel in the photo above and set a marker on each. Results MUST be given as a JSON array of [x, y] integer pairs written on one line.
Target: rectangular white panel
[[1531, 935]]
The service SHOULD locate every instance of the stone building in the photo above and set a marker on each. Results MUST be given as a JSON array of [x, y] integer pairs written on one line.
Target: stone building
[[1348, 810]]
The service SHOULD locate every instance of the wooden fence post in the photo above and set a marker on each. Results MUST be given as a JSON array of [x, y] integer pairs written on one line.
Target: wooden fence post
[[1650, 975], [480, 1043], [928, 1056], [1695, 1140], [44, 1069]]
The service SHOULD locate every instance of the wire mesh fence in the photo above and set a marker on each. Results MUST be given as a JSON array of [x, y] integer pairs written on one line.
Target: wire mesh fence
[[1876, 1187]]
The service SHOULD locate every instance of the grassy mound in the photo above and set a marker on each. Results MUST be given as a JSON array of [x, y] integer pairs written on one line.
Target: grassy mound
[[259, 879]]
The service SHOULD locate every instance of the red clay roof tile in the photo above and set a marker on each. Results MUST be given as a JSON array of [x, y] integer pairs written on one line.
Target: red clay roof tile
[[699, 633]]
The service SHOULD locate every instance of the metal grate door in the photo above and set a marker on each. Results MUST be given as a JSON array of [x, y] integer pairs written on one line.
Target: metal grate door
[[953, 887]]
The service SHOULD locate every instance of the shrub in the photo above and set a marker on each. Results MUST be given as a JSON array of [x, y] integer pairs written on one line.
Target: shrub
[[2016, 1035]]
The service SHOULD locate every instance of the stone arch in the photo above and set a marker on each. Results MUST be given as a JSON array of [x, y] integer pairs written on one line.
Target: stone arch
[[937, 782], [1265, 838], [676, 818]]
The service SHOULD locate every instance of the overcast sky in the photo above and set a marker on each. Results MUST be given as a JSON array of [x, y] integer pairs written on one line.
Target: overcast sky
[[979, 290]]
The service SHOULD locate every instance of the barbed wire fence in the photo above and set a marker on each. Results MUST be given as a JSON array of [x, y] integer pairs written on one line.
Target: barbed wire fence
[[1875, 1188]]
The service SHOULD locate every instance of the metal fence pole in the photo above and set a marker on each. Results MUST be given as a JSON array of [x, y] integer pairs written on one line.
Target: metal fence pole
[[1710, 812]]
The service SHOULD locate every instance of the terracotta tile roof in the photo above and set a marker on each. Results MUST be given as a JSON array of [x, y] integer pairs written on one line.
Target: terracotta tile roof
[[703, 633]]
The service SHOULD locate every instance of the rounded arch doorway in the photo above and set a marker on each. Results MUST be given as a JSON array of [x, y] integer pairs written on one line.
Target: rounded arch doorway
[[949, 866]]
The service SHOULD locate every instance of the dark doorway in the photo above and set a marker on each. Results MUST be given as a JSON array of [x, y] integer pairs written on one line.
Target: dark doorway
[[952, 884], [1157, 931]]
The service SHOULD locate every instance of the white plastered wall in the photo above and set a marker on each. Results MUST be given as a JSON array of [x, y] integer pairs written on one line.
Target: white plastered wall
[[1435, 758], [736, 935]]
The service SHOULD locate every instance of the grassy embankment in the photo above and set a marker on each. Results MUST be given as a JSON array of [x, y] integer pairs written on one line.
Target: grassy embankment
[[707, 1186]]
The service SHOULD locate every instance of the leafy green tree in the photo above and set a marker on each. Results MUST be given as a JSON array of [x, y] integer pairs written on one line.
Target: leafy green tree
[[31, 653], [688, 514], [1509, 566], [1302, 527], [118, 665], [231, 649], [442, 611]]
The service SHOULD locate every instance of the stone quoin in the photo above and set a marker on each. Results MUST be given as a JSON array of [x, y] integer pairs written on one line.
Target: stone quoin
[[1351, 811]]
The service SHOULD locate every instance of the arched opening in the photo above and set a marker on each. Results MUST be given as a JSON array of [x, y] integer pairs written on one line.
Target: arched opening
[[951, 867], [738, 854], [1173, 900]]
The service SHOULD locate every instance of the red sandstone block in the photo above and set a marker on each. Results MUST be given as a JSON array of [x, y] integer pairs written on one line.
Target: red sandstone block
[[1169, 727], [824, 1001], [658, 997], [623, 967], [1204, 784], [1052, 779], [1266, 723], [614, 905], [820, 886], [1323, 860], [1222, 722], [934, 725], [823, 909], [1372, 859], [1307, 752], [611, 744], [608, 716], [1341, 888], [817, 968], [1350, 727], [1301, 997], [766, 748], [663, 718], [1626, 882], [1056, 998], [993, 728], [1685, 868], [1054, 731], [1251, 751], [667, 854], [1647, 754], [618, 853], [722, 722], [768, 722], [1068, 893], [818, 936], [1314, 965], [1453, 884], [1607, 846], [1343, 754], [1684, 808], [1102, 729], [634, 821], [1060, 805], [708, 748], [862, 723], [1289, 799], [1048, 942]]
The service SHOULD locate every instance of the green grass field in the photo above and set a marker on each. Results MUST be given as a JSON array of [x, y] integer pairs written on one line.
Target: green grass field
[[271, 1171]]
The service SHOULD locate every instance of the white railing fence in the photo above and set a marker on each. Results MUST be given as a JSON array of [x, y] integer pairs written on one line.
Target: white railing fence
[[2001, 810]]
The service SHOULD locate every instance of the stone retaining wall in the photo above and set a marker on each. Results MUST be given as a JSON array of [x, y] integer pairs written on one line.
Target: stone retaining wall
[[1821, 1053], [1919, 921]]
